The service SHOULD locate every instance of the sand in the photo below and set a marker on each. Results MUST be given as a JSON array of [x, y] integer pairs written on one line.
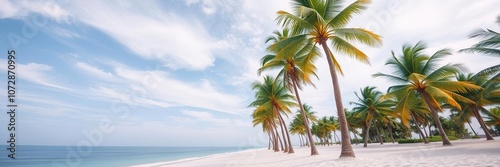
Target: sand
[[466, 152]]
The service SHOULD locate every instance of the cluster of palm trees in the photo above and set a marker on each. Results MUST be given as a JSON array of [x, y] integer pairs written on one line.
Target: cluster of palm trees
[[423, 86]]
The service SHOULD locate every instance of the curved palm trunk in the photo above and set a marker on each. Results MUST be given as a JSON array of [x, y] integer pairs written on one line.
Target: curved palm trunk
[[379, 138], [283, 135], [306, 140], [435, 116], [355, 137], [269, 144], [300, 141], [290, 148], [418, 127], [336, 137], [390, 131], [430, 132], [275, 140], [347, 150], [367, 133], [278, 139], [425, 132], [481, 122], [314, 151], [468, 122]]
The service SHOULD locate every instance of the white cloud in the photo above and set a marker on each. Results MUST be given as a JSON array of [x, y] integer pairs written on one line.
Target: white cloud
[[151, 32], [19, 9], [36, 73], [94, 71]]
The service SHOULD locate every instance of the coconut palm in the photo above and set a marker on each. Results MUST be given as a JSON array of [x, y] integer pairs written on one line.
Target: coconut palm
[[272, 95], [494, 116], [421, 79], [370, 106], [296, 67], [490, 43], [320, 21], [310, 114], [488, 95], [266, 119], [353, 123]]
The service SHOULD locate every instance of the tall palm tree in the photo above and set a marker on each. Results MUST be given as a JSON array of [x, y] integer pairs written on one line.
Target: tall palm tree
[[272, 95], [296, 67], [319, 21], [490, 43], [421, 79], [370, 105]]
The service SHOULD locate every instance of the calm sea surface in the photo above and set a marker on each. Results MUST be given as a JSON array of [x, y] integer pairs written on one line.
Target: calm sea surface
[[61, 156]]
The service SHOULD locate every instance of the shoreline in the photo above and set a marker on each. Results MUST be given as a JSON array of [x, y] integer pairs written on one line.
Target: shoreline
[[464, 152], [183, 160]]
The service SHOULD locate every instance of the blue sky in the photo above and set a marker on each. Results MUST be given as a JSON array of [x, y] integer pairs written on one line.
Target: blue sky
[[177, 73]]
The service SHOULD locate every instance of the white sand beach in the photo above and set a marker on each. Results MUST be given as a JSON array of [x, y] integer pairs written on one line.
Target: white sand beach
[[466, 152]]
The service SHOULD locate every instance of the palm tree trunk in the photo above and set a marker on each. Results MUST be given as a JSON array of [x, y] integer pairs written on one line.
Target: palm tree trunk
[[314, 151], [347, 150], [275, 140], [277, 136], [300, 141], [367, 133], [355, 137], [336, 137], [481, 122], [430, 132], [269, 145], [306, 140], [283, 134], [418, 127], [379, 138], [468, 122], [290, 147], [446, 141], [390, 131], [425, 132]]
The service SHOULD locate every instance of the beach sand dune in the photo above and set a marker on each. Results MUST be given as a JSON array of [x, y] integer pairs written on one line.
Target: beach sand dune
[[467, 152]]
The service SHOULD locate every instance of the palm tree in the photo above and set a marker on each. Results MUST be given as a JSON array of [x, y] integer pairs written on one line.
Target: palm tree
[[488, 95], [494, 116], [272, 95], [490, 44], [296, 67], [310, 114], [335, 123], [266, 119], [420, 79], [352, 122], [316, 22], [370, 105]]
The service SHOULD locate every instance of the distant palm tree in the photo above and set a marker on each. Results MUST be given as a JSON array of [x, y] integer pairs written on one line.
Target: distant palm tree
[[494, 116], [267, 120], [353, 123], [488, 95], [271, 95], [369, 106], [490, 43], [295, 67], [318, 21], [421, 79]]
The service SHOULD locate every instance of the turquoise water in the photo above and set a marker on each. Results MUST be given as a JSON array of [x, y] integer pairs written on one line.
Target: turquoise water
[[61, 156]]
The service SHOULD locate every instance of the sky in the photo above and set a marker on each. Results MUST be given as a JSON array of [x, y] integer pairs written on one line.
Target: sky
[[178, 73]]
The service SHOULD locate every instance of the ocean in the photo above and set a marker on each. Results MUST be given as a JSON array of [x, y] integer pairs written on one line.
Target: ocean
[[62, 156]]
